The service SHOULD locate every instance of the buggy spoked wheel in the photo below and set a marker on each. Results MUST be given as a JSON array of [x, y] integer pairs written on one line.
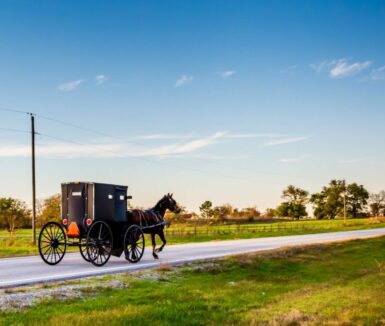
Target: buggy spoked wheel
[[83, 249], [99, 243], [134, 244], [52, 243]]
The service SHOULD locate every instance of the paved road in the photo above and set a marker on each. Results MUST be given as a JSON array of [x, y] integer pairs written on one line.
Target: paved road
[[32, 270]]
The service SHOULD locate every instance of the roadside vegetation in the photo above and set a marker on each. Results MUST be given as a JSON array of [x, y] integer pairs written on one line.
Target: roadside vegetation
[[338, 284], [338, 206]]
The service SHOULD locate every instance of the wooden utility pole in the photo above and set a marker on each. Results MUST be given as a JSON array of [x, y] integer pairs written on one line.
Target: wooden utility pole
[[33, 180], [344, 202]]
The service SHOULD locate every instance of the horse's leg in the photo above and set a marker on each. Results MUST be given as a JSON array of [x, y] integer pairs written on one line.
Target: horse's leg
[[153, 246], [162, 237]]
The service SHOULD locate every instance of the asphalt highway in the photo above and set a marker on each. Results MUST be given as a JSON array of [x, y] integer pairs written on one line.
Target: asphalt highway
[[30, 270]]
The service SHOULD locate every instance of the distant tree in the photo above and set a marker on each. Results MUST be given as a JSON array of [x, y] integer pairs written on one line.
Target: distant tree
[[251, 212], [291, 209], [220, 213], [13, 214], [377, 204], [356, 200], [329, 202], [295, 195], [270, 212], [206, 209], [294, 205], [50, 210]]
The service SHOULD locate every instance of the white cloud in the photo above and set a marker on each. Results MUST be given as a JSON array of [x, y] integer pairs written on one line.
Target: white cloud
[[101, 79], [340, 68], [252, 135], [286, 140], [70, 86], [294, 159], [343, 69], [164, 136], [64, 150], [227, 74], [319, 67], [378, 74], [182, 80], [188, 147], [191, 135]]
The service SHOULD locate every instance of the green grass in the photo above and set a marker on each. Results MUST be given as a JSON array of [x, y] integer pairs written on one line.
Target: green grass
[[20, 244], [338, 284]]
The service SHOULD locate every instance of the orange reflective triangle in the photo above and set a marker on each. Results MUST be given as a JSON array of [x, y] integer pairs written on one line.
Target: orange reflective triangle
[[73, 230]]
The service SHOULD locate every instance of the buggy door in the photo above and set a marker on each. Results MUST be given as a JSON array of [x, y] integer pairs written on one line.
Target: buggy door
[[120, 204]]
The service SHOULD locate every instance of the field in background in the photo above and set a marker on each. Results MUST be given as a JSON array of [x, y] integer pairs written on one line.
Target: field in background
[[336, 284], [20, 244]]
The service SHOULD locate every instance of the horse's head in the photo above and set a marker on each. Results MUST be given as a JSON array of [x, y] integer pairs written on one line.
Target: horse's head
[[171, 204]]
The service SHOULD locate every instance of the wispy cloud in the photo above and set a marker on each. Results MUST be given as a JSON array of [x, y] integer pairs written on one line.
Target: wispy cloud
[[227, 73], [64, 150], [295, 159], [340, 68], [183, 80], [288, 69], [286, 140], [378, 74], [321, 66], [164, 136], [344, 69], [192, 135], [70, 86], [101, 79]]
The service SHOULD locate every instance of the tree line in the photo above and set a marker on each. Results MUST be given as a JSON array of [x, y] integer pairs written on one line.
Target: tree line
[[337, 199], [14, 213]]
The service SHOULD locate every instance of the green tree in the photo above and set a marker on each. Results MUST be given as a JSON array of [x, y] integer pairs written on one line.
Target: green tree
[[377, 204], [291, 209], [270, 212], [329, 202], [294, 205], [50, 210], [13, 214], [356, 200], [206, 209]]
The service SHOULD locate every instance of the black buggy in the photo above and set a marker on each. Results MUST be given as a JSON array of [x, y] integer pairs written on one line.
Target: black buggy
[[94, 219]]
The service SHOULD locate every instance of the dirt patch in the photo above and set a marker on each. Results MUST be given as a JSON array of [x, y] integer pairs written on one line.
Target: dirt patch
[[19, 299]]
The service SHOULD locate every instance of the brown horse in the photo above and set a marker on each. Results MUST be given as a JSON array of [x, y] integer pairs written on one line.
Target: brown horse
[[152, 220]]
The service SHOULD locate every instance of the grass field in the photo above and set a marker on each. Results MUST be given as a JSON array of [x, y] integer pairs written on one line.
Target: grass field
[[20, 244], [336, 284]]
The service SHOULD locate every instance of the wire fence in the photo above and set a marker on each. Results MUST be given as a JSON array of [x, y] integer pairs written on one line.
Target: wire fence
[[238, 229]]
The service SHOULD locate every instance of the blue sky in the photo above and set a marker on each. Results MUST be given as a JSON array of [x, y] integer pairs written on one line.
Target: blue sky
[[222, 100]]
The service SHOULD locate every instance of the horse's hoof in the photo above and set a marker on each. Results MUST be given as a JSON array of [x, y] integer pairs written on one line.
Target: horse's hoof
[[155, 256]]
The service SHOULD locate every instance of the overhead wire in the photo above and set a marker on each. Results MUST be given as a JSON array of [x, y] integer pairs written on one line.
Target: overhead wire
[[90, 130]]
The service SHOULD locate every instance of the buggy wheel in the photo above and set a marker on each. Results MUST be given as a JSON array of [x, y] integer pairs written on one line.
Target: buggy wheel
[[134, 244], [52, 243], [99, 243], [83, 249]]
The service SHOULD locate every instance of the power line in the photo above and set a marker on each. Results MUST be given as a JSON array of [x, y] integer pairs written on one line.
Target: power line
[[151, 146], [144, 159], [90, 130], [15, 130], [110, 136], [13, 110]]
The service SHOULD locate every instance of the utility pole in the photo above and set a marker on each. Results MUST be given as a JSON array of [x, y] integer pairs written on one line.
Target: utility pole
[[344, 202], [33, 180]]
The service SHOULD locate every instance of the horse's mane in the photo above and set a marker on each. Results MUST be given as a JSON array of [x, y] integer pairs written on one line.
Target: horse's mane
[[158, 204]]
